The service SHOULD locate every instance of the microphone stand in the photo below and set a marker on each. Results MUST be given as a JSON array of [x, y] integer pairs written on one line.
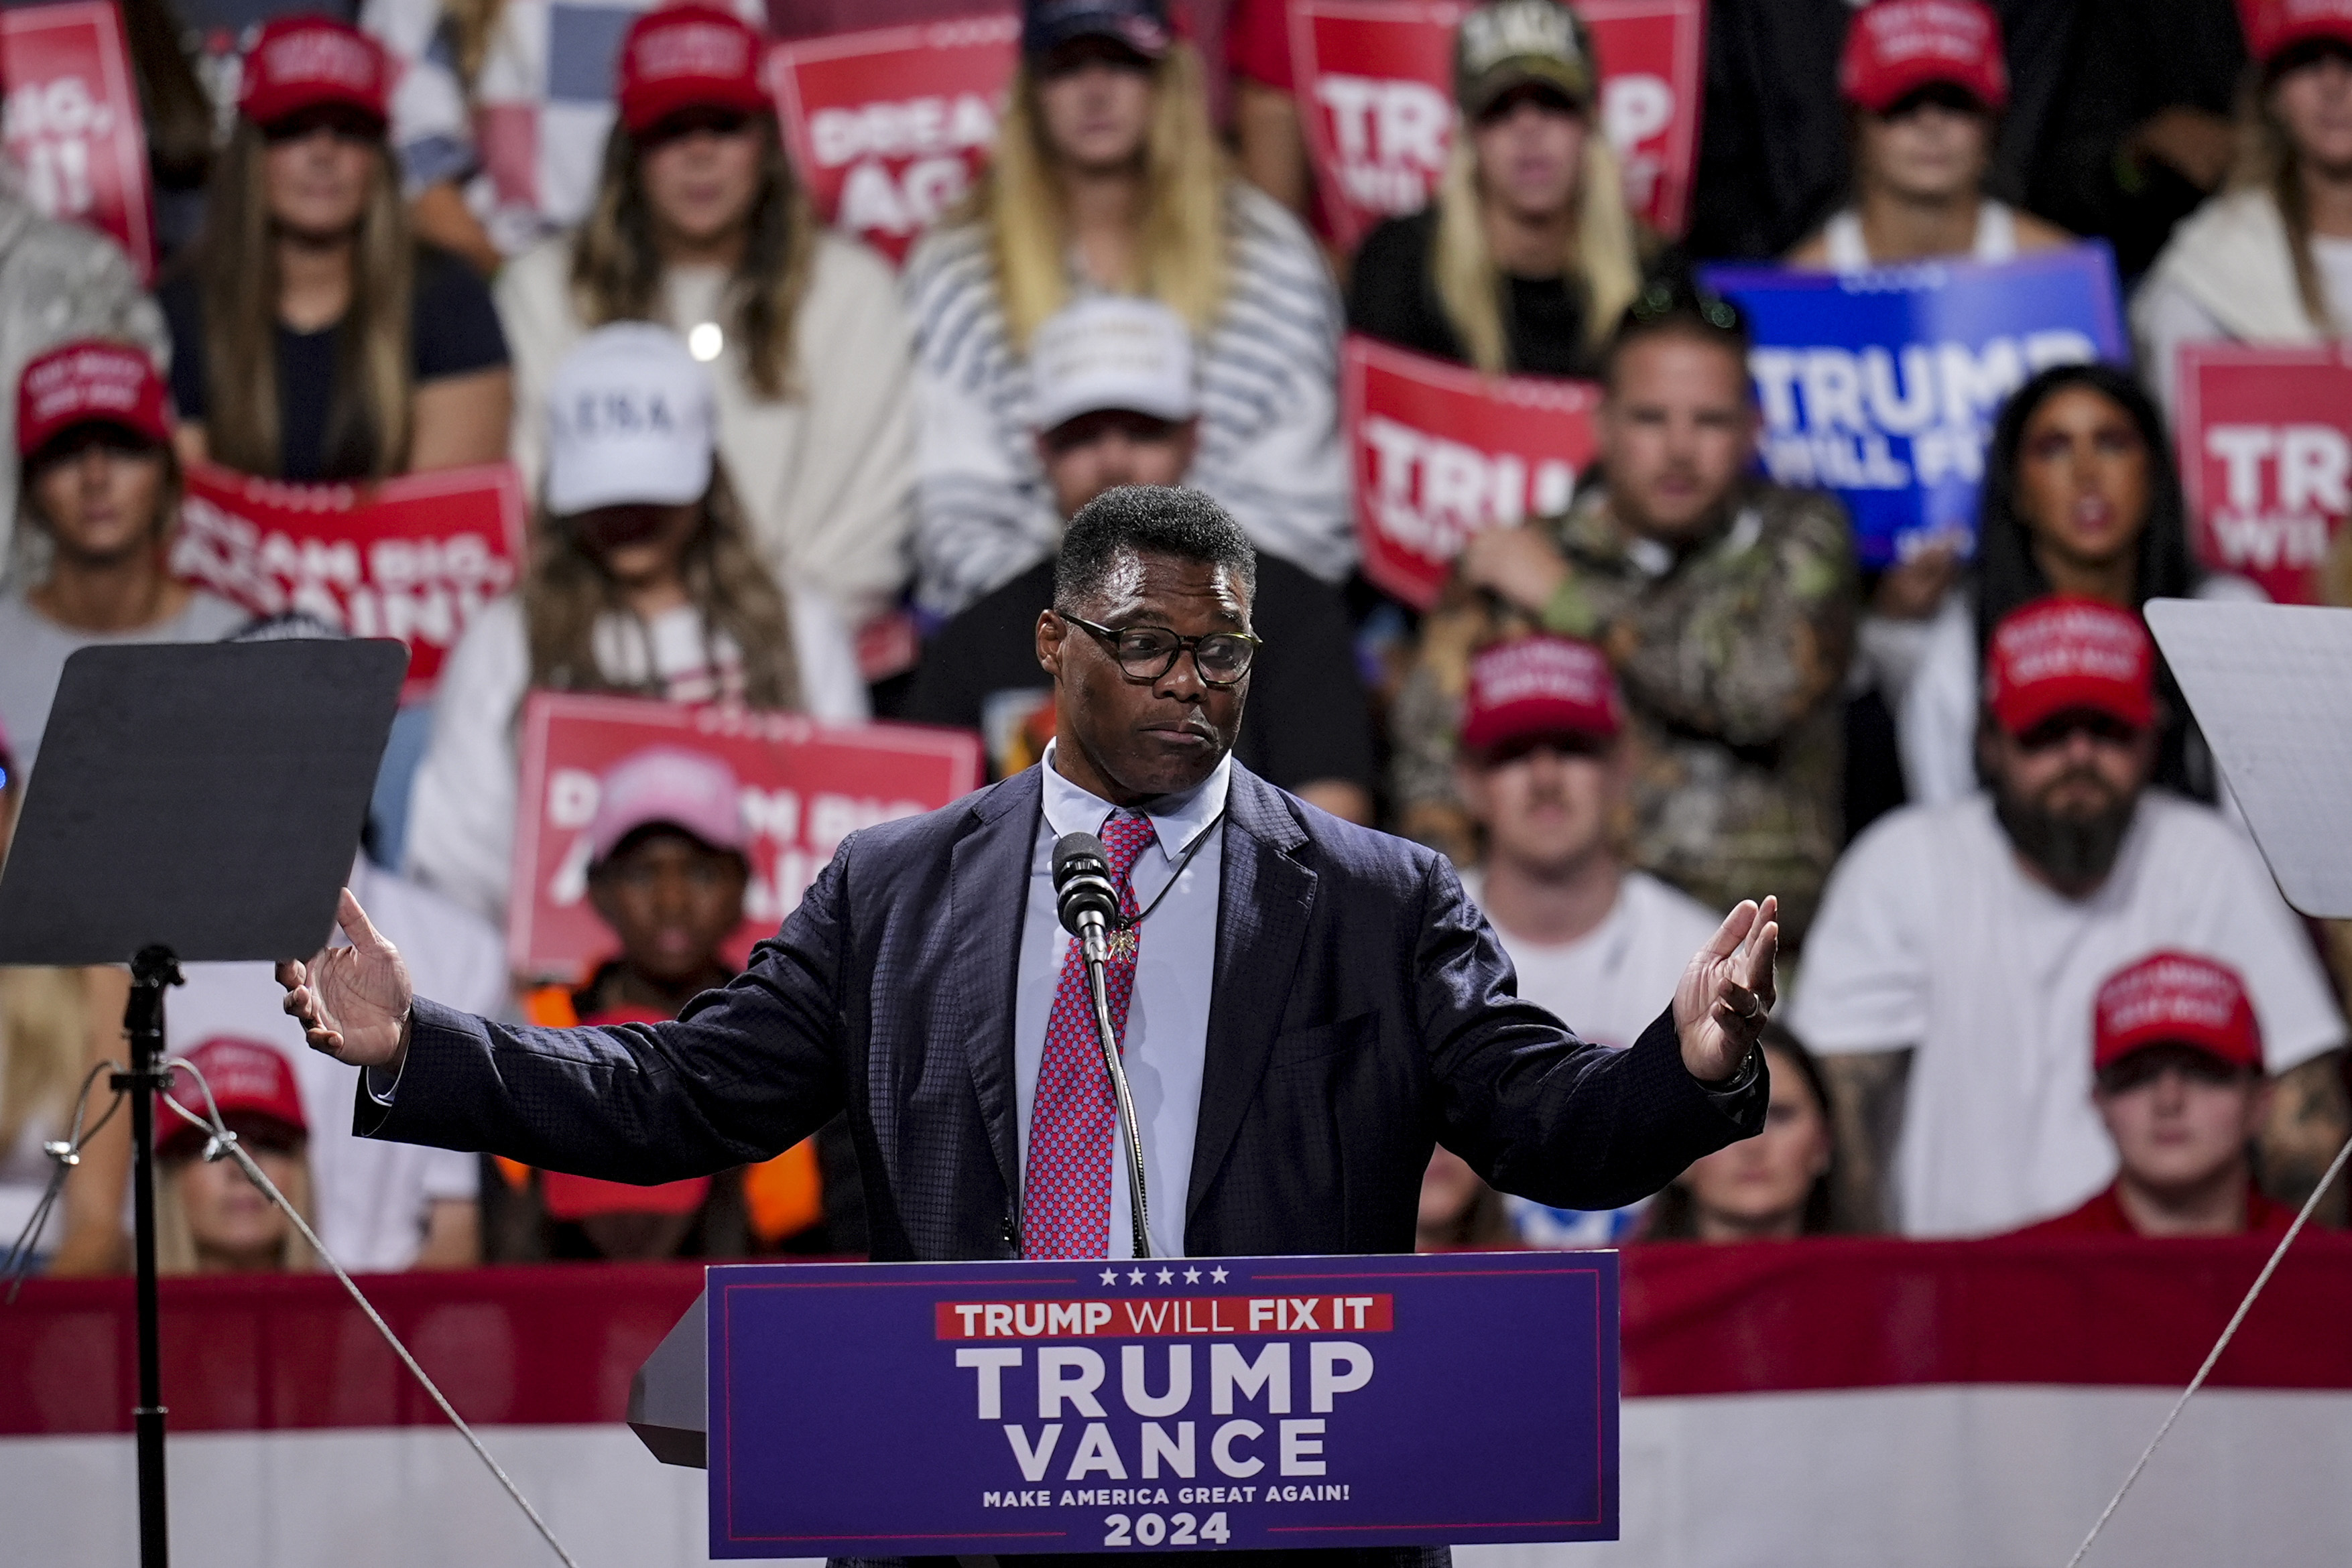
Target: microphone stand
[[150, 972], [1094, 945]]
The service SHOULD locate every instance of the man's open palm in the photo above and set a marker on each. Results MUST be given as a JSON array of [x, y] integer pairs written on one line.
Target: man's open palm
[[1728, 993], [353, 1002]]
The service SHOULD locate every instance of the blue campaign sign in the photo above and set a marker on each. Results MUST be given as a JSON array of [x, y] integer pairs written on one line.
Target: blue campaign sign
[[880, 1410], [1883, 385]]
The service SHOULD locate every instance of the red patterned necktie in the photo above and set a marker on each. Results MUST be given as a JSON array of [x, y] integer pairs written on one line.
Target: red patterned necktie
[[1073, 1119]]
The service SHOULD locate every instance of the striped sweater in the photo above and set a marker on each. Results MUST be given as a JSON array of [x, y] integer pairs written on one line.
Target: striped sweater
[[1269, 441]]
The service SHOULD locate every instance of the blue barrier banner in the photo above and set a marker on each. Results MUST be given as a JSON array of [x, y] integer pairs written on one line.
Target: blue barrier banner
[[885, 1409], [1883, 385]]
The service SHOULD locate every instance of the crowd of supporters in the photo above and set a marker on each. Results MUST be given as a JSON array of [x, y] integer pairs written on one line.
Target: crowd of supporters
[[2038, 974]]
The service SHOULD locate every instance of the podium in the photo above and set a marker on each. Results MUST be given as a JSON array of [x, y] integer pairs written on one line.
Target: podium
[[882, 1409]]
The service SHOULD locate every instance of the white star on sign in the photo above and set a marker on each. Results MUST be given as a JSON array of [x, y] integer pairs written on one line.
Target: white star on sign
[[1110, 1276], [1135, 1276], [1218, 1275], [1192, 1276], [1166, 1277]]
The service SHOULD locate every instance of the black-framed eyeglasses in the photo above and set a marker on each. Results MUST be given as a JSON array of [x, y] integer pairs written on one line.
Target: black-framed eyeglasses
[[1147, 652]]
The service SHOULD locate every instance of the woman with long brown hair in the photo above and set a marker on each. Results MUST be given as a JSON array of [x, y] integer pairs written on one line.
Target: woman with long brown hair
[[313, 338], [646, 582], [700, 225], [1107, 179], [2270, 260]]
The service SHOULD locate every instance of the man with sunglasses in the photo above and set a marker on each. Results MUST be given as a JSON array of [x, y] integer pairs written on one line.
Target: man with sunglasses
[[1304, 1006], [2177, 1066], [1950, 983], [1114, 399]]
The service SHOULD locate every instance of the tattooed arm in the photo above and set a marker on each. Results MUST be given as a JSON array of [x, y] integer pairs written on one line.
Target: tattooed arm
[[1866, 1108], [2309, 1119]]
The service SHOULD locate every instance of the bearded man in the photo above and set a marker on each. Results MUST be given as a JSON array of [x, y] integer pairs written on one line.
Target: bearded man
[[1949, 985]]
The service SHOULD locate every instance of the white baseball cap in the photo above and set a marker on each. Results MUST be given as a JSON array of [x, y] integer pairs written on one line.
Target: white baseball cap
[[631, 420], [1107, 353]]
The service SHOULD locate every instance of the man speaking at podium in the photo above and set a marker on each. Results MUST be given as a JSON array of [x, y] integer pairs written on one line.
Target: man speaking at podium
[[1302, 1005]]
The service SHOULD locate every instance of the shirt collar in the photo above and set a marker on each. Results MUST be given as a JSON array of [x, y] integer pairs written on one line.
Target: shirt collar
[[1176, 820]]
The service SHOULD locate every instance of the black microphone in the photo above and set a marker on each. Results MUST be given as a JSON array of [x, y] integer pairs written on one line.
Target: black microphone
[[1082, 894]]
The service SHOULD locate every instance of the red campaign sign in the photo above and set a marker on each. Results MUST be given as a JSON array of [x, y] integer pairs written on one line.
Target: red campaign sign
[[2265, 446], [891, 127], [806, 786], [1441, 452], [1375, 85], [413, 558], [72, 124]]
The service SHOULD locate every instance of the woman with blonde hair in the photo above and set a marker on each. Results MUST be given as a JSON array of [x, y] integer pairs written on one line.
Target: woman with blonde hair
[[646, 582], [2270, 260], [699, 225], [210, 1217], [312, 337], [1527, 255], [1106, 180]]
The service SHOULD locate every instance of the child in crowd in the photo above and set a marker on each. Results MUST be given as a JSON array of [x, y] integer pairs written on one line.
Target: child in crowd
[[312, 337], [699, 224], [1107, 178], [1526, 256], [210, 1218], [2081, 496], [2270, 260], [667, 872], [1771, 1187], [501, 113], [101, 498], [1925, 84], [646, 582], [2176, 1056]]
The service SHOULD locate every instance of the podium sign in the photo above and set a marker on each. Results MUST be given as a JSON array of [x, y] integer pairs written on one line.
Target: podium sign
[[879, 1409]]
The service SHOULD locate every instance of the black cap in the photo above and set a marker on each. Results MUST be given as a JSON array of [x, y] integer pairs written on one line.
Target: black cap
[[1140, 25]]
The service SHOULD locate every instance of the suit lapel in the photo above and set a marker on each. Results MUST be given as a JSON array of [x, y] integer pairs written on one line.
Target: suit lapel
[[1262, 915], [988, 896]]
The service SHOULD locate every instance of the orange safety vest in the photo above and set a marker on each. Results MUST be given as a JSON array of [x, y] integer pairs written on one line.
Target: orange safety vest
[[782, 1196]]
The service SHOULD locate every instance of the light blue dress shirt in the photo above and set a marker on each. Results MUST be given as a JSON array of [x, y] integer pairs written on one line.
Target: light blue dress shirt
[[1167, 1039]]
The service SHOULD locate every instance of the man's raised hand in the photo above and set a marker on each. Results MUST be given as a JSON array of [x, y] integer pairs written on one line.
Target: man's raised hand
[[353, 1002], [1727, 993]]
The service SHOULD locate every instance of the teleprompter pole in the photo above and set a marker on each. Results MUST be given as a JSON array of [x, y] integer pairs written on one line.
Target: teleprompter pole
[[143, 1018]]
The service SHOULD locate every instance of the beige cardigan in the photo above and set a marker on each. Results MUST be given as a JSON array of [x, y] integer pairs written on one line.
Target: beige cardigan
[[828, 474]]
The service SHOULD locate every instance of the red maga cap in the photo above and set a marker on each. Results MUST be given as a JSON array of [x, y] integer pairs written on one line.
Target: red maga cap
[[249, 1081], [2176, 998], [1538, 686], [301, 62], [91, 381], [2065, 652], [689, 57], [2275, 26], [1897, 47]]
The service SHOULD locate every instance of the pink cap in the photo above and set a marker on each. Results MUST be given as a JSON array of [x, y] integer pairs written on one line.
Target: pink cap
[[91, 382], [301, 62], [1897, 47], [1538, 686], [689, 57], [2065, 652], [249, 1079], [692, 791], [2176, 998], [2275, 26]]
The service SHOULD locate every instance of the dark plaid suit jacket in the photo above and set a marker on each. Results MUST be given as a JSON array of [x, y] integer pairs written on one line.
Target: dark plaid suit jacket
[[1362, 1009]]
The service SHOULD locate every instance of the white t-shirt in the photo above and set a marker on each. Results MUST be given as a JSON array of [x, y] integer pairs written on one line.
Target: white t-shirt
[[462, 811], [1608, 985], [369, 1200], [1932, 936], [34, 650]]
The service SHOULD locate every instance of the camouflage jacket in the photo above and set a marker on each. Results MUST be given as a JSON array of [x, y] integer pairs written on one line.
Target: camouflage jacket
[[1732, 657]]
